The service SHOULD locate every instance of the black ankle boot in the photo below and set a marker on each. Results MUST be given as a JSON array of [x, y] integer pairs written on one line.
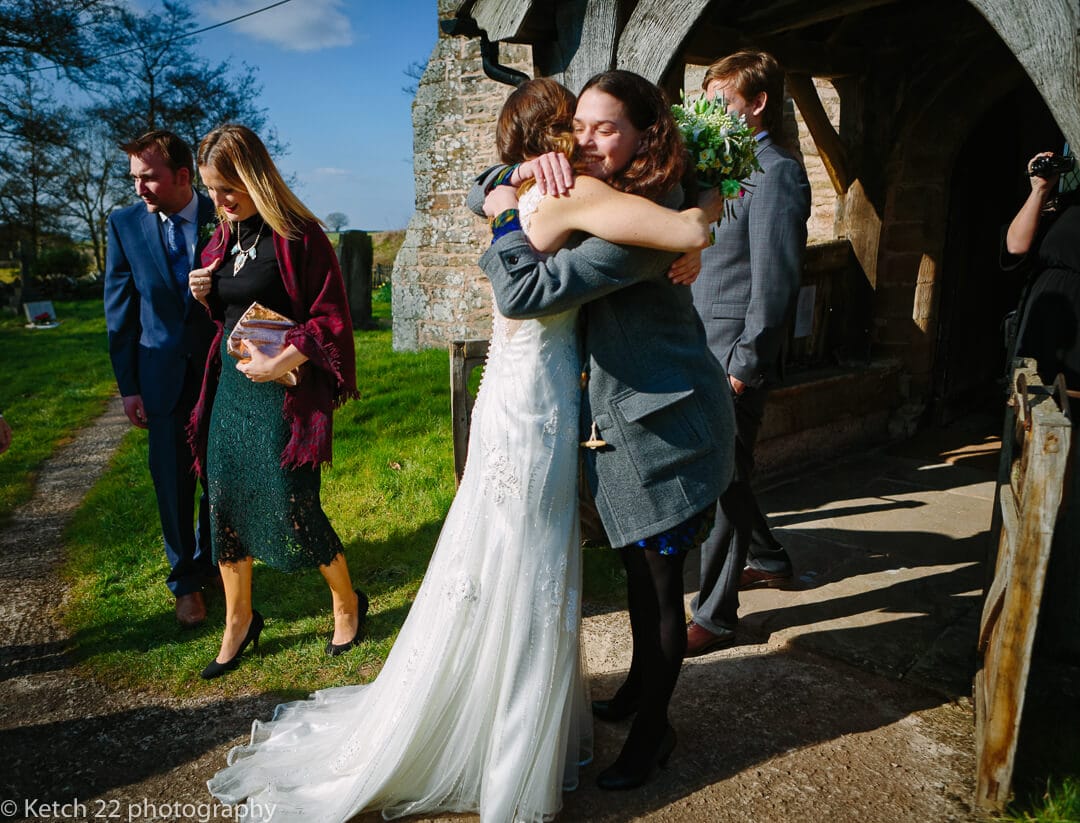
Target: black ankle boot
[[621, 778], [616, 709]]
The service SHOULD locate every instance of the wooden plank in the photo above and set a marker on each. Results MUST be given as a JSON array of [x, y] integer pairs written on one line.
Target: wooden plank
[[501, 19], [1029, 504], [584, 44], [465, 355], [1005, 461], [785, 15], [1045, 37], [708, 43], [830, 147], [654, 34], [995, 595]]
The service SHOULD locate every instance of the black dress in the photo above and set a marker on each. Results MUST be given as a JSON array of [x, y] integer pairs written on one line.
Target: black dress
[[258, 508], [1050, 324]]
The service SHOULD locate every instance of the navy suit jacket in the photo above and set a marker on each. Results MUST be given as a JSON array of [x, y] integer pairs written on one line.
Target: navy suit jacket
[[156, 329], [749, 279]]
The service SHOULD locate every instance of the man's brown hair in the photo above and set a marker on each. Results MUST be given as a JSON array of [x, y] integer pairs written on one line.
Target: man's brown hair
[[751, 73], [174, 151]]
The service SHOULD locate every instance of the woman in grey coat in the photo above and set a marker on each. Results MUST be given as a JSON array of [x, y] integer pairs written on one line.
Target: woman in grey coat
[[656, 419]]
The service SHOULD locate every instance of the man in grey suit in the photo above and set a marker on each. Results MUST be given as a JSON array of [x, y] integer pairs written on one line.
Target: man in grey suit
[[745, 295]]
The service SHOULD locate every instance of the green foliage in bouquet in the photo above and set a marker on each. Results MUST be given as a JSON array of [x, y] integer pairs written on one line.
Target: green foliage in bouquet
[[722, 145]]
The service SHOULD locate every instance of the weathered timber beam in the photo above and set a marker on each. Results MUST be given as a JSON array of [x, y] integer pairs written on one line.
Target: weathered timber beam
[[501, 19], [584, 44], [654, 34], [1045, 37], [776, 17], [833, 155], [709, 43]]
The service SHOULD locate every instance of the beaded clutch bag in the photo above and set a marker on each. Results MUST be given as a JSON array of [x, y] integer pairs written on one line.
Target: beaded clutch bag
[[266, 329]]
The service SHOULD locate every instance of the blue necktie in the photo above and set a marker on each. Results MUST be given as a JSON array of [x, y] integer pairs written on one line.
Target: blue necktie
[[175, 251]]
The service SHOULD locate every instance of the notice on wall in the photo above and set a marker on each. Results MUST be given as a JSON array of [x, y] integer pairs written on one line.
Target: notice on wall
[[804, 312]]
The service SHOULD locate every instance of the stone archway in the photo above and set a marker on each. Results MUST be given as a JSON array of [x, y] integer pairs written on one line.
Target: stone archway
[[919, 214]]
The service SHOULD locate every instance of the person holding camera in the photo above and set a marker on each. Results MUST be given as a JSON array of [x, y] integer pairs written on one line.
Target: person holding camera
[[1046, 233]]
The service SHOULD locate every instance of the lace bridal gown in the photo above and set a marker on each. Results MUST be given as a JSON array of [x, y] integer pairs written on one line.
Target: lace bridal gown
[[481, 703]]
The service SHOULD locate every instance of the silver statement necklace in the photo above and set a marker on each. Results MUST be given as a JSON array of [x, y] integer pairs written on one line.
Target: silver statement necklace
[[242, 254]]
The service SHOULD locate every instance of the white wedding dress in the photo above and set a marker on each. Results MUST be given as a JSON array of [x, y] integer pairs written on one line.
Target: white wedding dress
[[481, 704]]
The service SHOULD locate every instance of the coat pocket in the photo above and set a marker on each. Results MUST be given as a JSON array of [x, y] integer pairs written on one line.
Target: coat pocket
[[661, 430], [728, 310]]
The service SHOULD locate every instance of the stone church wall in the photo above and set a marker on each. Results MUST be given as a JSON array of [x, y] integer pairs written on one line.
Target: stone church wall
[[439, 293]]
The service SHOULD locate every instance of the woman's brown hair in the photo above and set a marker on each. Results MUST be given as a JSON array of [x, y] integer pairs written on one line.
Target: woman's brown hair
[[240, 157], [537, 118], [658, 165]]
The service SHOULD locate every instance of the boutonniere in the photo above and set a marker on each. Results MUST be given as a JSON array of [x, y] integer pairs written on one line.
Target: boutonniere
[[206, 231]]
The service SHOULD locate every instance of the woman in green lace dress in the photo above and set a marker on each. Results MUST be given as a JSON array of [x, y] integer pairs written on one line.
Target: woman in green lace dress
[[263, 442]]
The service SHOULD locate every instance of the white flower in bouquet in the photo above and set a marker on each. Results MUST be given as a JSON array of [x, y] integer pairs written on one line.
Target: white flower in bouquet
[[721, 144]]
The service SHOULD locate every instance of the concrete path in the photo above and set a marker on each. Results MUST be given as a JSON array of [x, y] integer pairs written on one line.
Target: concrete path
[[848, 697], [846, 700]]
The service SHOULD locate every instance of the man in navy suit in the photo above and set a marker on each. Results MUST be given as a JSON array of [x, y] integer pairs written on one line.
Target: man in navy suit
[[158, 341], [745, 295]]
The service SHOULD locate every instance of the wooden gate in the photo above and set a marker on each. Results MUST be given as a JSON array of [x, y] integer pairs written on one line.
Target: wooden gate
[[465, 355], [1034, 463]]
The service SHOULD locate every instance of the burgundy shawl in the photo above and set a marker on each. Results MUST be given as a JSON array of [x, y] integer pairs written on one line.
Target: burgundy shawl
[[312, 278]]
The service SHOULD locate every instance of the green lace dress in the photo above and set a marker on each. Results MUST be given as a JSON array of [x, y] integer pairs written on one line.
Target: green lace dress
[[259, 508]]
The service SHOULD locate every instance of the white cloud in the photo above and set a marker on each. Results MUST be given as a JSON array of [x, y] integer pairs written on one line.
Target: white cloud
[[299, 25], [330, 171]]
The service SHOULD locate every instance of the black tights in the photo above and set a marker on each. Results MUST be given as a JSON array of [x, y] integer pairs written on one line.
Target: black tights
[[654, 584]]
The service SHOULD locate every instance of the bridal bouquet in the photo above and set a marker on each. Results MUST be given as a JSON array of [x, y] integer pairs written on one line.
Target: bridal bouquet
[[721, 144]]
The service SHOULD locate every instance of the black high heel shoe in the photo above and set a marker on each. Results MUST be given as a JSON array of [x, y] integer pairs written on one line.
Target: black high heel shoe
[[617, 779], [334, 649], [255, 628], [615, 709]]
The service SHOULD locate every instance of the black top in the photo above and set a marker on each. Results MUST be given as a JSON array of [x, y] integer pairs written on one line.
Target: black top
[[257, 279], [1050, 324], [1060, 247]]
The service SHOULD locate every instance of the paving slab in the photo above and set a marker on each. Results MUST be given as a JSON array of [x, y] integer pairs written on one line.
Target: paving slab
[[889, 550]]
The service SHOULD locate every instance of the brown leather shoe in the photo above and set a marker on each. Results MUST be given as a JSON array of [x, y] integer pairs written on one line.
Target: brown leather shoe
[[190, 609], [702, 641], [757, 579]]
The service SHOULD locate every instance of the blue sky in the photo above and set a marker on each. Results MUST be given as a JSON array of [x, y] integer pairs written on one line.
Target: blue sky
[[332, 73]]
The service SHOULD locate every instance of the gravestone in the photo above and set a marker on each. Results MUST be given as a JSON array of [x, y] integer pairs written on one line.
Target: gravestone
[[40, 314], [355, 254]]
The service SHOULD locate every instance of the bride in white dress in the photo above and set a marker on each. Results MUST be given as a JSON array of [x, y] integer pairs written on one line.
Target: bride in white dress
[[481, 704]]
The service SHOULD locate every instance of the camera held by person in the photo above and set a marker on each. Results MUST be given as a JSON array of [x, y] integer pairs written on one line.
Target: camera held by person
[[1047, 165]]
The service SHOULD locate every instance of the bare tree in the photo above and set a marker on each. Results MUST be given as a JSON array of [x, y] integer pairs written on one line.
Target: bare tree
[[29, 158], [415, 70], [91, 183], [336, 220], [157, 81], [35, 35]]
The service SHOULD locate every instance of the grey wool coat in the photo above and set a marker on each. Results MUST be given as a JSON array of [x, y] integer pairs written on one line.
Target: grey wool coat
[[658, 397]]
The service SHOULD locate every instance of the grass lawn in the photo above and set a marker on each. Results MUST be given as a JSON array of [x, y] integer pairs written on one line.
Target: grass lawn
[[54, 382], [1059, 803], [387, 494]]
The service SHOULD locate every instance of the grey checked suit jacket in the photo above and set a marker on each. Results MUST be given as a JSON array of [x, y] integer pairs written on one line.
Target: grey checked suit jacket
[[658, 396], [749, 277]]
